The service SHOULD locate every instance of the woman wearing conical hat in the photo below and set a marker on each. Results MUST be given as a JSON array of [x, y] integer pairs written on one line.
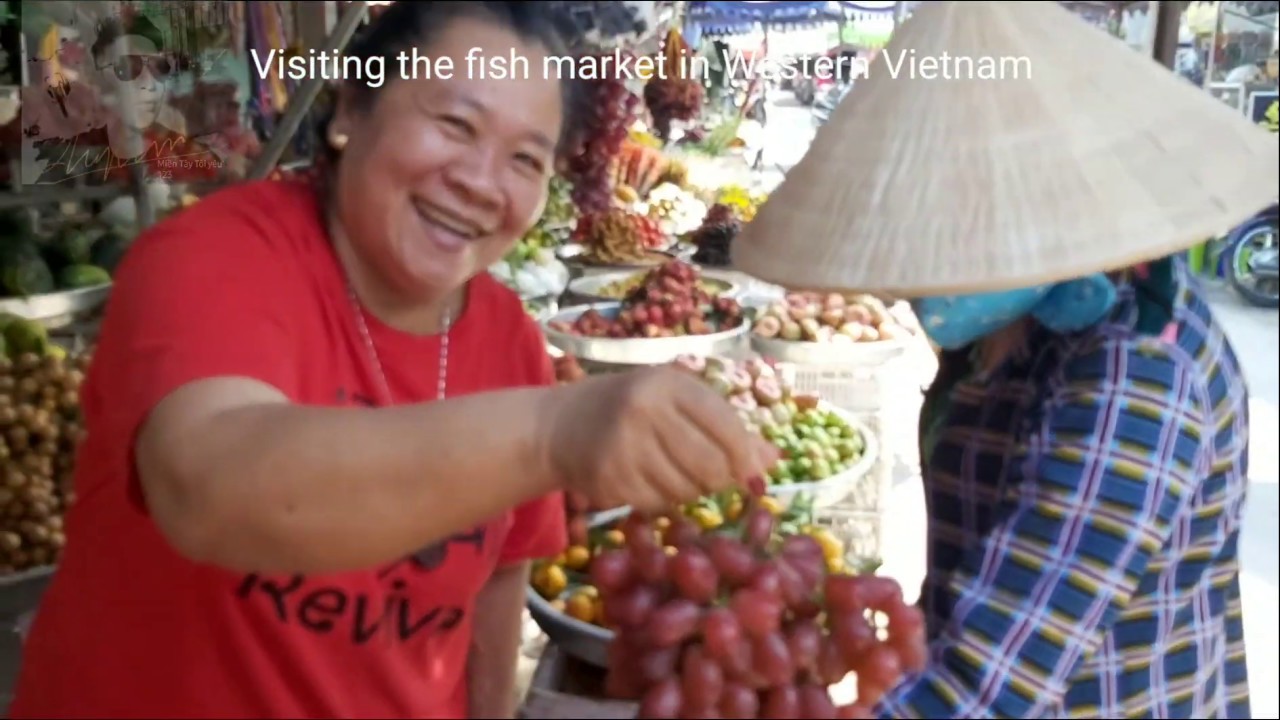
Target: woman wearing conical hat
[[1086, 441]]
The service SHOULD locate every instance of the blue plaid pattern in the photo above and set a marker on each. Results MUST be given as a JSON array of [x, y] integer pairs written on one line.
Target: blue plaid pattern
[[1085, 503]]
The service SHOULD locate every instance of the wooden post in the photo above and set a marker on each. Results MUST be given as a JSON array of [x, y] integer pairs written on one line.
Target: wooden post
[[1165, 24]]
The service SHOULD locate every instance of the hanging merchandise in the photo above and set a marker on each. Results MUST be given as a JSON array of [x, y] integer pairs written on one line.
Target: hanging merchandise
[[674, 94], [261, 107], [610, 110]]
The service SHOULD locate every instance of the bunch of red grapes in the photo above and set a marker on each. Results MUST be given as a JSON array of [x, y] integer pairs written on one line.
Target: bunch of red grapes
[[671, 99], [609, 109], [748, 626]]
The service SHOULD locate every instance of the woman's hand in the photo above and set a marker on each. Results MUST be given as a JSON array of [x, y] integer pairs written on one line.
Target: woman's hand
[[651, 439]]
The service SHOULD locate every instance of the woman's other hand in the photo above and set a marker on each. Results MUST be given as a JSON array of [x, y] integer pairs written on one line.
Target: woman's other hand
[[651, 439]]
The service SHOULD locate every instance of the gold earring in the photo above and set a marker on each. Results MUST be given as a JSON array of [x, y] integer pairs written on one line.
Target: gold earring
[[338, 141]]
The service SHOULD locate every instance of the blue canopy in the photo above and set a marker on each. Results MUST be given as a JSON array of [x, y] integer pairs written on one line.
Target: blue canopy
[[734, 17]]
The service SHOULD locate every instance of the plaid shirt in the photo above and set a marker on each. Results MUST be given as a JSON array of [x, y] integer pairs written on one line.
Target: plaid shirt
[[1085, 504]]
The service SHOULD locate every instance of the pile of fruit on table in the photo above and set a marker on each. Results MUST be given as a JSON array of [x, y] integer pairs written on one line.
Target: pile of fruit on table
[[677, 210], [621, 289], [39, 432], [831, 318], [79, 254], [669, 303], [816, 443], [743, 201], [619, 237], [743, 621], [531, 268]]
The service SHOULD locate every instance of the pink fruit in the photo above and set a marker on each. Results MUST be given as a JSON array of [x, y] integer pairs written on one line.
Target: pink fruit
[[858, 314], [834, 301], [767, 390], [758, 367], [741, 379], [800, 313], [833, 317]]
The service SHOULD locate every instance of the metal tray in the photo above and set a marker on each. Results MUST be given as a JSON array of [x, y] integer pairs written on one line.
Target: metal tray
[[572, 257], [584, 641], [57, 308], [640, 351], [589, 287], [816, 353]]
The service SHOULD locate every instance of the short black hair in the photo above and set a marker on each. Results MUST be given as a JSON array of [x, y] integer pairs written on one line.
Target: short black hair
[[403, 26]]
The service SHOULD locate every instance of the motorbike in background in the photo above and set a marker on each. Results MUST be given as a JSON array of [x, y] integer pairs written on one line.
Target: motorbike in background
[[1251, 256]]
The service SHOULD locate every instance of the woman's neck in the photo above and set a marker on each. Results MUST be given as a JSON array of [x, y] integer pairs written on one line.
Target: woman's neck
[[419, 315]]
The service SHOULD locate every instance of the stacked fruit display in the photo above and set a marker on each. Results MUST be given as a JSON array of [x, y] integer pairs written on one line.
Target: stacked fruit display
[[618, 237], [816, 443], [715, 235], [609, 109], [677, 210], [531, 268], [39, 432], [669, 303], [747, 622], [559, 210], [831, 318], [639, 167], [673, 95]]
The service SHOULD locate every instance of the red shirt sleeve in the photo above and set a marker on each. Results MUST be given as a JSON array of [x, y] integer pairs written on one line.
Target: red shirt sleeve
[[539, 529], [209, 292]]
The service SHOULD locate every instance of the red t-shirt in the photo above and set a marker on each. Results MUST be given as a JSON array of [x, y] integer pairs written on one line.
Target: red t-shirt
[[245, 284]]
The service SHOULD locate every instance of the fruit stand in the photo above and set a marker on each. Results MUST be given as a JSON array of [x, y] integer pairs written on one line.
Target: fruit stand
[[646, 246]]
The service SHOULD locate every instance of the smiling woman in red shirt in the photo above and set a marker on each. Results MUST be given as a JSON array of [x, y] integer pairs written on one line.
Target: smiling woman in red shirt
[[300, 386]]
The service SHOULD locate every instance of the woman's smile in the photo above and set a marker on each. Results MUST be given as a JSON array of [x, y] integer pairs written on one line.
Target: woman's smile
[[445, 231]]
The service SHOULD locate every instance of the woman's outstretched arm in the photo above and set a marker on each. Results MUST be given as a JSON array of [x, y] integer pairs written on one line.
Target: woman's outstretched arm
[[235, 475]]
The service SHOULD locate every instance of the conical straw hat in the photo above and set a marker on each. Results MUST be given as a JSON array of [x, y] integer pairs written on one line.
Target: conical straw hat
[[1085, 156]]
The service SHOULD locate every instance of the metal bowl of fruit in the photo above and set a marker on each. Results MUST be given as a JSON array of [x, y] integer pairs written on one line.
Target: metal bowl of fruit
[[807, 328], [583, 331], [613, 286], [829, 452], [561, 599]]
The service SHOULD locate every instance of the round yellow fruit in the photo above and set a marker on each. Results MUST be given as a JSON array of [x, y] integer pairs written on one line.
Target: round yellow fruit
[[577, 557], [706, 518], [550, 581], [580, 606]]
